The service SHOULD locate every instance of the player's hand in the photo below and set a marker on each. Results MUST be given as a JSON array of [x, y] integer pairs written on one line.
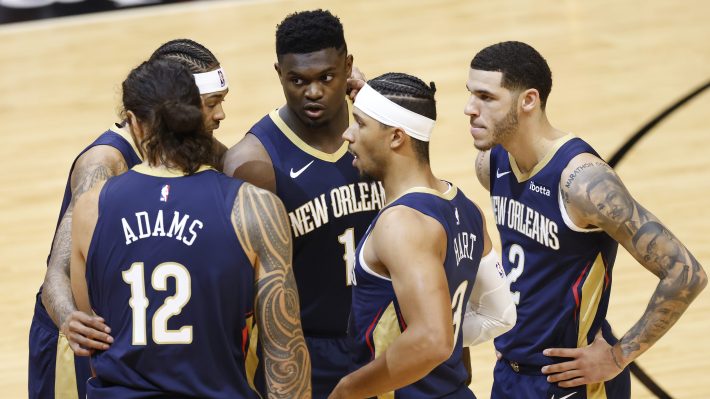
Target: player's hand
[[355, 82], [588, 365], [86, 333]]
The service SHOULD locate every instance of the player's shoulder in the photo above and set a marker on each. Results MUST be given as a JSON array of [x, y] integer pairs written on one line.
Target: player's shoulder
[[399, 221], [248, 160], [102, 155], [252, 197], [580, 168]]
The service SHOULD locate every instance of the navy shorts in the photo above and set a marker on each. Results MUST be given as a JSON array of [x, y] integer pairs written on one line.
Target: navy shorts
[[54, 371], [330, 361], [526, 384]]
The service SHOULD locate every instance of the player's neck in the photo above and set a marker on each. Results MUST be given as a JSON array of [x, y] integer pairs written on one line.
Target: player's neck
[[327, 138], [399, 179], [532, 143]]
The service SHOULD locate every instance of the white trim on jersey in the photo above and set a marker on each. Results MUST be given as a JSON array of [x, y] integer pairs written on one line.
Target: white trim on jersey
[[364, 265]]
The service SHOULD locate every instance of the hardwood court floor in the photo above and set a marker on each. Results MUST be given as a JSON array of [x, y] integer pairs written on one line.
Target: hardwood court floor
[[615, 65]]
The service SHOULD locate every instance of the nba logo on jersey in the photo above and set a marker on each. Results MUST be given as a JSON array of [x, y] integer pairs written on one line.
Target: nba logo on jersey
[[164, 192], [221, 78]]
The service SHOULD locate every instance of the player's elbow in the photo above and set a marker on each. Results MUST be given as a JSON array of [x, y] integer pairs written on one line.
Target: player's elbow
[[510, 317], [699, 282], [435, 345]]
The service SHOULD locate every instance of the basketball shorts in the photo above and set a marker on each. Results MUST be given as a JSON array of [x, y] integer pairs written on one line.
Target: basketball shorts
[[529, 383], [330, 361], [54, 371]]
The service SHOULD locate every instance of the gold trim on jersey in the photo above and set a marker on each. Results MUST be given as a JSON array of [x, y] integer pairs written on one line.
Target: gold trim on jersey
[[64, 373], [146, 169], [386, 331], [447, 195], [251, 360], [293, 137], [521, 177], [126, 134], [589, 306]]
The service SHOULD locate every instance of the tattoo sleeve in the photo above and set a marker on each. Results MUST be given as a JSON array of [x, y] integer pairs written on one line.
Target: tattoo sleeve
[[56, 289], [263, 229], [596, 193]]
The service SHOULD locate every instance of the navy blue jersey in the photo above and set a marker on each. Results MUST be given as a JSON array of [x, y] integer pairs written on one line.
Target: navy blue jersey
[[117, 138], [167, 272], [560, 274], [376, 320], [329, 209]]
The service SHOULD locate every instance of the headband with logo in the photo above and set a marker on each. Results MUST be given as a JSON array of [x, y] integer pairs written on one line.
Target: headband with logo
[[212, 81], [380, 108]]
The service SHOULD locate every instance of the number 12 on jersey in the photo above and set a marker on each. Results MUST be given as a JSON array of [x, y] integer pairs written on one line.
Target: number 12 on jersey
[[172, 306]]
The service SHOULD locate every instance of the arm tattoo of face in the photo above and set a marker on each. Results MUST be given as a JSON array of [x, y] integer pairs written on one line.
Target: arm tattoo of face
[[262, 227], [56, 290], [607, 203]]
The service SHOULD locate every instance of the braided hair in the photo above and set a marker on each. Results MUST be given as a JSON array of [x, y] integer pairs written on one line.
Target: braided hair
[[196, 57], [413, 94]]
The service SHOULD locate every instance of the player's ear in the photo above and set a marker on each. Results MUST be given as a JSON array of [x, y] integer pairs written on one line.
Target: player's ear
[[529, 99], [277, 67], [135, 126], [397, 137], [349, 65]]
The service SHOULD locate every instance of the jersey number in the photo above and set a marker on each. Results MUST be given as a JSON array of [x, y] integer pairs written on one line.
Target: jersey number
[[172, 306], [516, 256], [348, 240], [457, 307]]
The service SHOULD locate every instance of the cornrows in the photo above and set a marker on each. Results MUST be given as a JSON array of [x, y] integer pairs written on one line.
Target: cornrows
[[196, 57], [408, 91]]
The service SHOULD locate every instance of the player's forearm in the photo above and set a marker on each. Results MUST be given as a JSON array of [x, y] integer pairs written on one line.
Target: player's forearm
[[410, 358], [490, 310], [56, 290], [671, 298]]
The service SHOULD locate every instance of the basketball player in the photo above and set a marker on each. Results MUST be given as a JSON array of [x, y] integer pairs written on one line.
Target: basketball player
[[561, 210], [181, 260], [298, 152], [416, 266], [54, 371]]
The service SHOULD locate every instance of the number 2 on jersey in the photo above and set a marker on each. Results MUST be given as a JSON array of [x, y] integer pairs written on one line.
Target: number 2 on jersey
[[172, 306], [516, 256]]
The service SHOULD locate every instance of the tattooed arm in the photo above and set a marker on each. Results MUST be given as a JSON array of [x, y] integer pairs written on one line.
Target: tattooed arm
[[262, 226], [595, 196], [483, 168], [85, 332]]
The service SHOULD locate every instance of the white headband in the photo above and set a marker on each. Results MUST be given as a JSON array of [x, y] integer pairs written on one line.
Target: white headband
[[380, 108], [212, 81]]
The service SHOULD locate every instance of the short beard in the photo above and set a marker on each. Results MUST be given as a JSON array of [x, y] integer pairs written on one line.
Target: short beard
[[502, 129]]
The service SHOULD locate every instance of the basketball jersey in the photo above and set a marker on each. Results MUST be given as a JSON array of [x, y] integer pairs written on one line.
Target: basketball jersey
[[329, 208], [560, 274], [166, 271], [376, 320], [116, 137]]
